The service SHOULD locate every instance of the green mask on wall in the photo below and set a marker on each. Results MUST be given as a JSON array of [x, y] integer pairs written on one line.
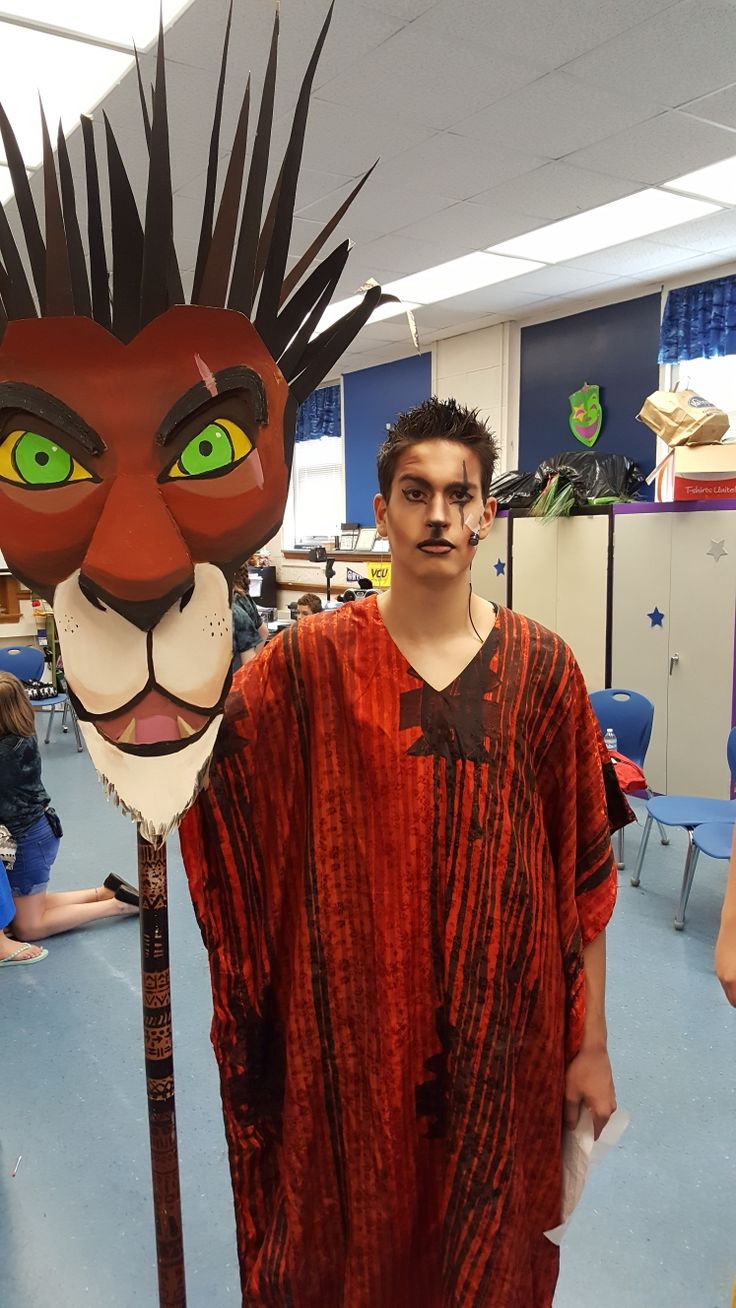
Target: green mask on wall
[[586, 414]]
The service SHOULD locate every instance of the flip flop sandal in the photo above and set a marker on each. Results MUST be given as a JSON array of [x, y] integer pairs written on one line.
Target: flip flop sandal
[[14, 961]]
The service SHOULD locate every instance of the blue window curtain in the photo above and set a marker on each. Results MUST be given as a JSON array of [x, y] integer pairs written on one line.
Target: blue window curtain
[[319, 415], [699, 322]]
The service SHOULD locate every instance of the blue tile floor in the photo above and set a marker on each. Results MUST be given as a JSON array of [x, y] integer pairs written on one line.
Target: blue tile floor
[[655, 1228]]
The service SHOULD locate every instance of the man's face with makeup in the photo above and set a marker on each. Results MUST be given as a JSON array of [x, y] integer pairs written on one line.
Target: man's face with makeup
[[133, 480], [434, 507]]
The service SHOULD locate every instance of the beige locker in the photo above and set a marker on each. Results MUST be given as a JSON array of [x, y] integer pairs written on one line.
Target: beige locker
[[680, 563], [560, 578], [491, 566]]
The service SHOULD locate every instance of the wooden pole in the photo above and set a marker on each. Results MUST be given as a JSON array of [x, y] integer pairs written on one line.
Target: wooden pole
[[159, 1052]]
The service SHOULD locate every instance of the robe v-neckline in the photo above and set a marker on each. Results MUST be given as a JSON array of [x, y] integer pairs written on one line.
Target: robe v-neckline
[[438, 690]]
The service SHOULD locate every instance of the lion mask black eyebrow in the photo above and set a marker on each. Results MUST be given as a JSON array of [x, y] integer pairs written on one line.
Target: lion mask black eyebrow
[[241, 257]]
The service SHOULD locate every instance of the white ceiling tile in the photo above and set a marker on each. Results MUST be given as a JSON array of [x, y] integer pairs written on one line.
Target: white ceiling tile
[[397, 250], [464, 166], [386, 333], [471, 226], [420, 79], [556, 191], [358, 272], [355, 31], [633, 259], [379, 208], [350, 140], [716, 232], [561, 280], [406, 10], [556, 115], [314, 186], [655, 151], [546, 36], [719, 108], [492, 300], [688, 53], [351, 362]]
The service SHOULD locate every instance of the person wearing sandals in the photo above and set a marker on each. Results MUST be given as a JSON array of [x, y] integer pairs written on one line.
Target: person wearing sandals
[[12, 952], [35, 830]]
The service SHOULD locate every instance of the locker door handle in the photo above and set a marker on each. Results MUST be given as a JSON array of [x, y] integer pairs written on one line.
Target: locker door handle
[[674, 659]]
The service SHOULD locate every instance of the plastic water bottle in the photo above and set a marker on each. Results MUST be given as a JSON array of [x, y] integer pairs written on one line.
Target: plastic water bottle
[[610, 740]]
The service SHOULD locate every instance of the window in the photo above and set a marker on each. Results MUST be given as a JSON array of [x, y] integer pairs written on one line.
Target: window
[[715, 380], [316, 505]]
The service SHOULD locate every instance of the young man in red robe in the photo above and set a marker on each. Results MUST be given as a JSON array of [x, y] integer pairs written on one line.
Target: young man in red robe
[[403, 873]]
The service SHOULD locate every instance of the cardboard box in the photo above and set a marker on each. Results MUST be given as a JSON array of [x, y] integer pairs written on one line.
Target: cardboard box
[[698, 472]]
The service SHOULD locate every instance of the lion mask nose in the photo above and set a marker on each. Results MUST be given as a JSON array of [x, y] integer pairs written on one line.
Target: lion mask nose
[[139, 576]]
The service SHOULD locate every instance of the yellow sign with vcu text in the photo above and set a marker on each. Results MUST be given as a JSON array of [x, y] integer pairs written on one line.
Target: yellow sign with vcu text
[[379, 573]]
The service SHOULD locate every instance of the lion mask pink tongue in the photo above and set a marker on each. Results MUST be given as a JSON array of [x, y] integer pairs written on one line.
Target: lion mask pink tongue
[[156, 727], [155, 720]]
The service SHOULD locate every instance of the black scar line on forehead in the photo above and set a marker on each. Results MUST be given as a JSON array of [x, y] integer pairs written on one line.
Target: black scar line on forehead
[[38, 403], [229, 382]]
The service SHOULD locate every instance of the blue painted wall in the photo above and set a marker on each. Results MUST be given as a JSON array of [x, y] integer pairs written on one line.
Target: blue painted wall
[[373, 397], [615, 347]]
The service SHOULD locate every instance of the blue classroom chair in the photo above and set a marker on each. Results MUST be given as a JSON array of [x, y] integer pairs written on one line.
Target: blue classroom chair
[[27, 663], [688, 812], [630, 716]]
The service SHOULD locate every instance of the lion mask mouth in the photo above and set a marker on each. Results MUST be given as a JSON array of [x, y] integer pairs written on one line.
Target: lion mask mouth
[[156, 724]]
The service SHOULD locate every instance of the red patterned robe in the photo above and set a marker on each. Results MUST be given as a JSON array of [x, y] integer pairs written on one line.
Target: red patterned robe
[[395, 886]]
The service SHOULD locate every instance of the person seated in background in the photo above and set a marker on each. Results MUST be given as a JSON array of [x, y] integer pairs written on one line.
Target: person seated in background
[[26, 813], [249, 630], [308, 604]]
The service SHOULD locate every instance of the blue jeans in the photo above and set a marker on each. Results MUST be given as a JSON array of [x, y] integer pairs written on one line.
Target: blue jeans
[[36, 852]]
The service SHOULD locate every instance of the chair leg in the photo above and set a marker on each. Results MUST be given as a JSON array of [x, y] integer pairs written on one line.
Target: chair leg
[[642, 849], [63, 715], [51, 712], [664, 838], [77, 733], [693, 853], [621, 864]]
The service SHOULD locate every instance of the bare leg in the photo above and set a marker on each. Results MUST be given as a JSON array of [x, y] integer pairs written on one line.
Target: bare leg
[[35, 919], [95, 895]]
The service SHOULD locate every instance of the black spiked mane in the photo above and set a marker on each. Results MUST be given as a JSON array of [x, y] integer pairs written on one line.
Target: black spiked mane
[[242, 253]]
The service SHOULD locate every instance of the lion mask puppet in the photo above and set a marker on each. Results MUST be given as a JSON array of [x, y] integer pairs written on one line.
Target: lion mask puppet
[[146, 443]]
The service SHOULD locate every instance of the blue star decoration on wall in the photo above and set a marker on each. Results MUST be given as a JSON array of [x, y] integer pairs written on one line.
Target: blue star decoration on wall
[[656, 617], [500, 567]]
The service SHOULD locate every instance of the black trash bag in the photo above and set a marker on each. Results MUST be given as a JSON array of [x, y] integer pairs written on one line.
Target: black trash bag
[[514, 490], [574, 480]]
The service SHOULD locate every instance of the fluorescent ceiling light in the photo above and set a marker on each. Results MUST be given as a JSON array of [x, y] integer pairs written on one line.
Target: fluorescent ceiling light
[[457, 277], [716, 182], [610, 224], [335, 311], [70, 77], [136, 20]]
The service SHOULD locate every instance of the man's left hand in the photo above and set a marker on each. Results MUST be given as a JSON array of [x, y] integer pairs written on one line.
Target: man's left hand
[[589, 1082]]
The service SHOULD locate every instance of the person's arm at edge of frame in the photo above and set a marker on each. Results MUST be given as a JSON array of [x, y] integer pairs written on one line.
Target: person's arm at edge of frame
[[589, 1079], [726, 943]]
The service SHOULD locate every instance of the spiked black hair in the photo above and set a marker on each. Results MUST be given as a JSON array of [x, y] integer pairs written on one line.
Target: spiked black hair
[[241, 258]]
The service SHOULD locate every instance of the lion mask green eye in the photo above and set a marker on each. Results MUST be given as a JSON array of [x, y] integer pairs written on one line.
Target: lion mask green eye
[[221, 444], [29, 459]]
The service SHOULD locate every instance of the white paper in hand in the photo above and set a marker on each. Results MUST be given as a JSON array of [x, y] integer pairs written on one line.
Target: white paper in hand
[[580, 1152]]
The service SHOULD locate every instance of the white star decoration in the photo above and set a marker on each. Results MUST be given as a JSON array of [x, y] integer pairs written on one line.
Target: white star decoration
[[717, 549]]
